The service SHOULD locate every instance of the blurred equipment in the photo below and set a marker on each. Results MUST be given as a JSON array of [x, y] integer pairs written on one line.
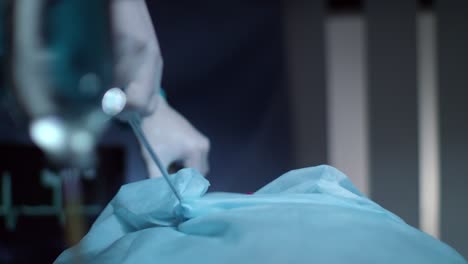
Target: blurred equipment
[[61, 72], [61, 66], [33, 198]]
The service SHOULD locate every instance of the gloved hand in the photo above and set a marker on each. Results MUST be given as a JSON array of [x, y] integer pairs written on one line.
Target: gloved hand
[[138, 61], [138, 68], [174, 139]]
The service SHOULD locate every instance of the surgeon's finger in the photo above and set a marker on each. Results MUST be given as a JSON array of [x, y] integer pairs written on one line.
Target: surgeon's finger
[[198, 156]]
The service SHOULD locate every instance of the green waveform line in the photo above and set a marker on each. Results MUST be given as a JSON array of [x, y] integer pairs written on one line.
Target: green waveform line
[[49, 180]]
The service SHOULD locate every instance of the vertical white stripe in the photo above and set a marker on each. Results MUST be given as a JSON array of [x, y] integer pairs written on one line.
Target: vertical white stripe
[[347, 100], [429, 178]]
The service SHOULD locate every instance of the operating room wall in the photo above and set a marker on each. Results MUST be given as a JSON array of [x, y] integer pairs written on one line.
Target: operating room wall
[[347, 108], [385, 106], [348, 126]]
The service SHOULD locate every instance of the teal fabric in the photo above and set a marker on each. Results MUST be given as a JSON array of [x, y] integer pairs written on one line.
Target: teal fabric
[[163, 93], [312, 215]]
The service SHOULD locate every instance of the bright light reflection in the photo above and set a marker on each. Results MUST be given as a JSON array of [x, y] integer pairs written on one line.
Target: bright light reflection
[[49, 134], [114, 101]]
